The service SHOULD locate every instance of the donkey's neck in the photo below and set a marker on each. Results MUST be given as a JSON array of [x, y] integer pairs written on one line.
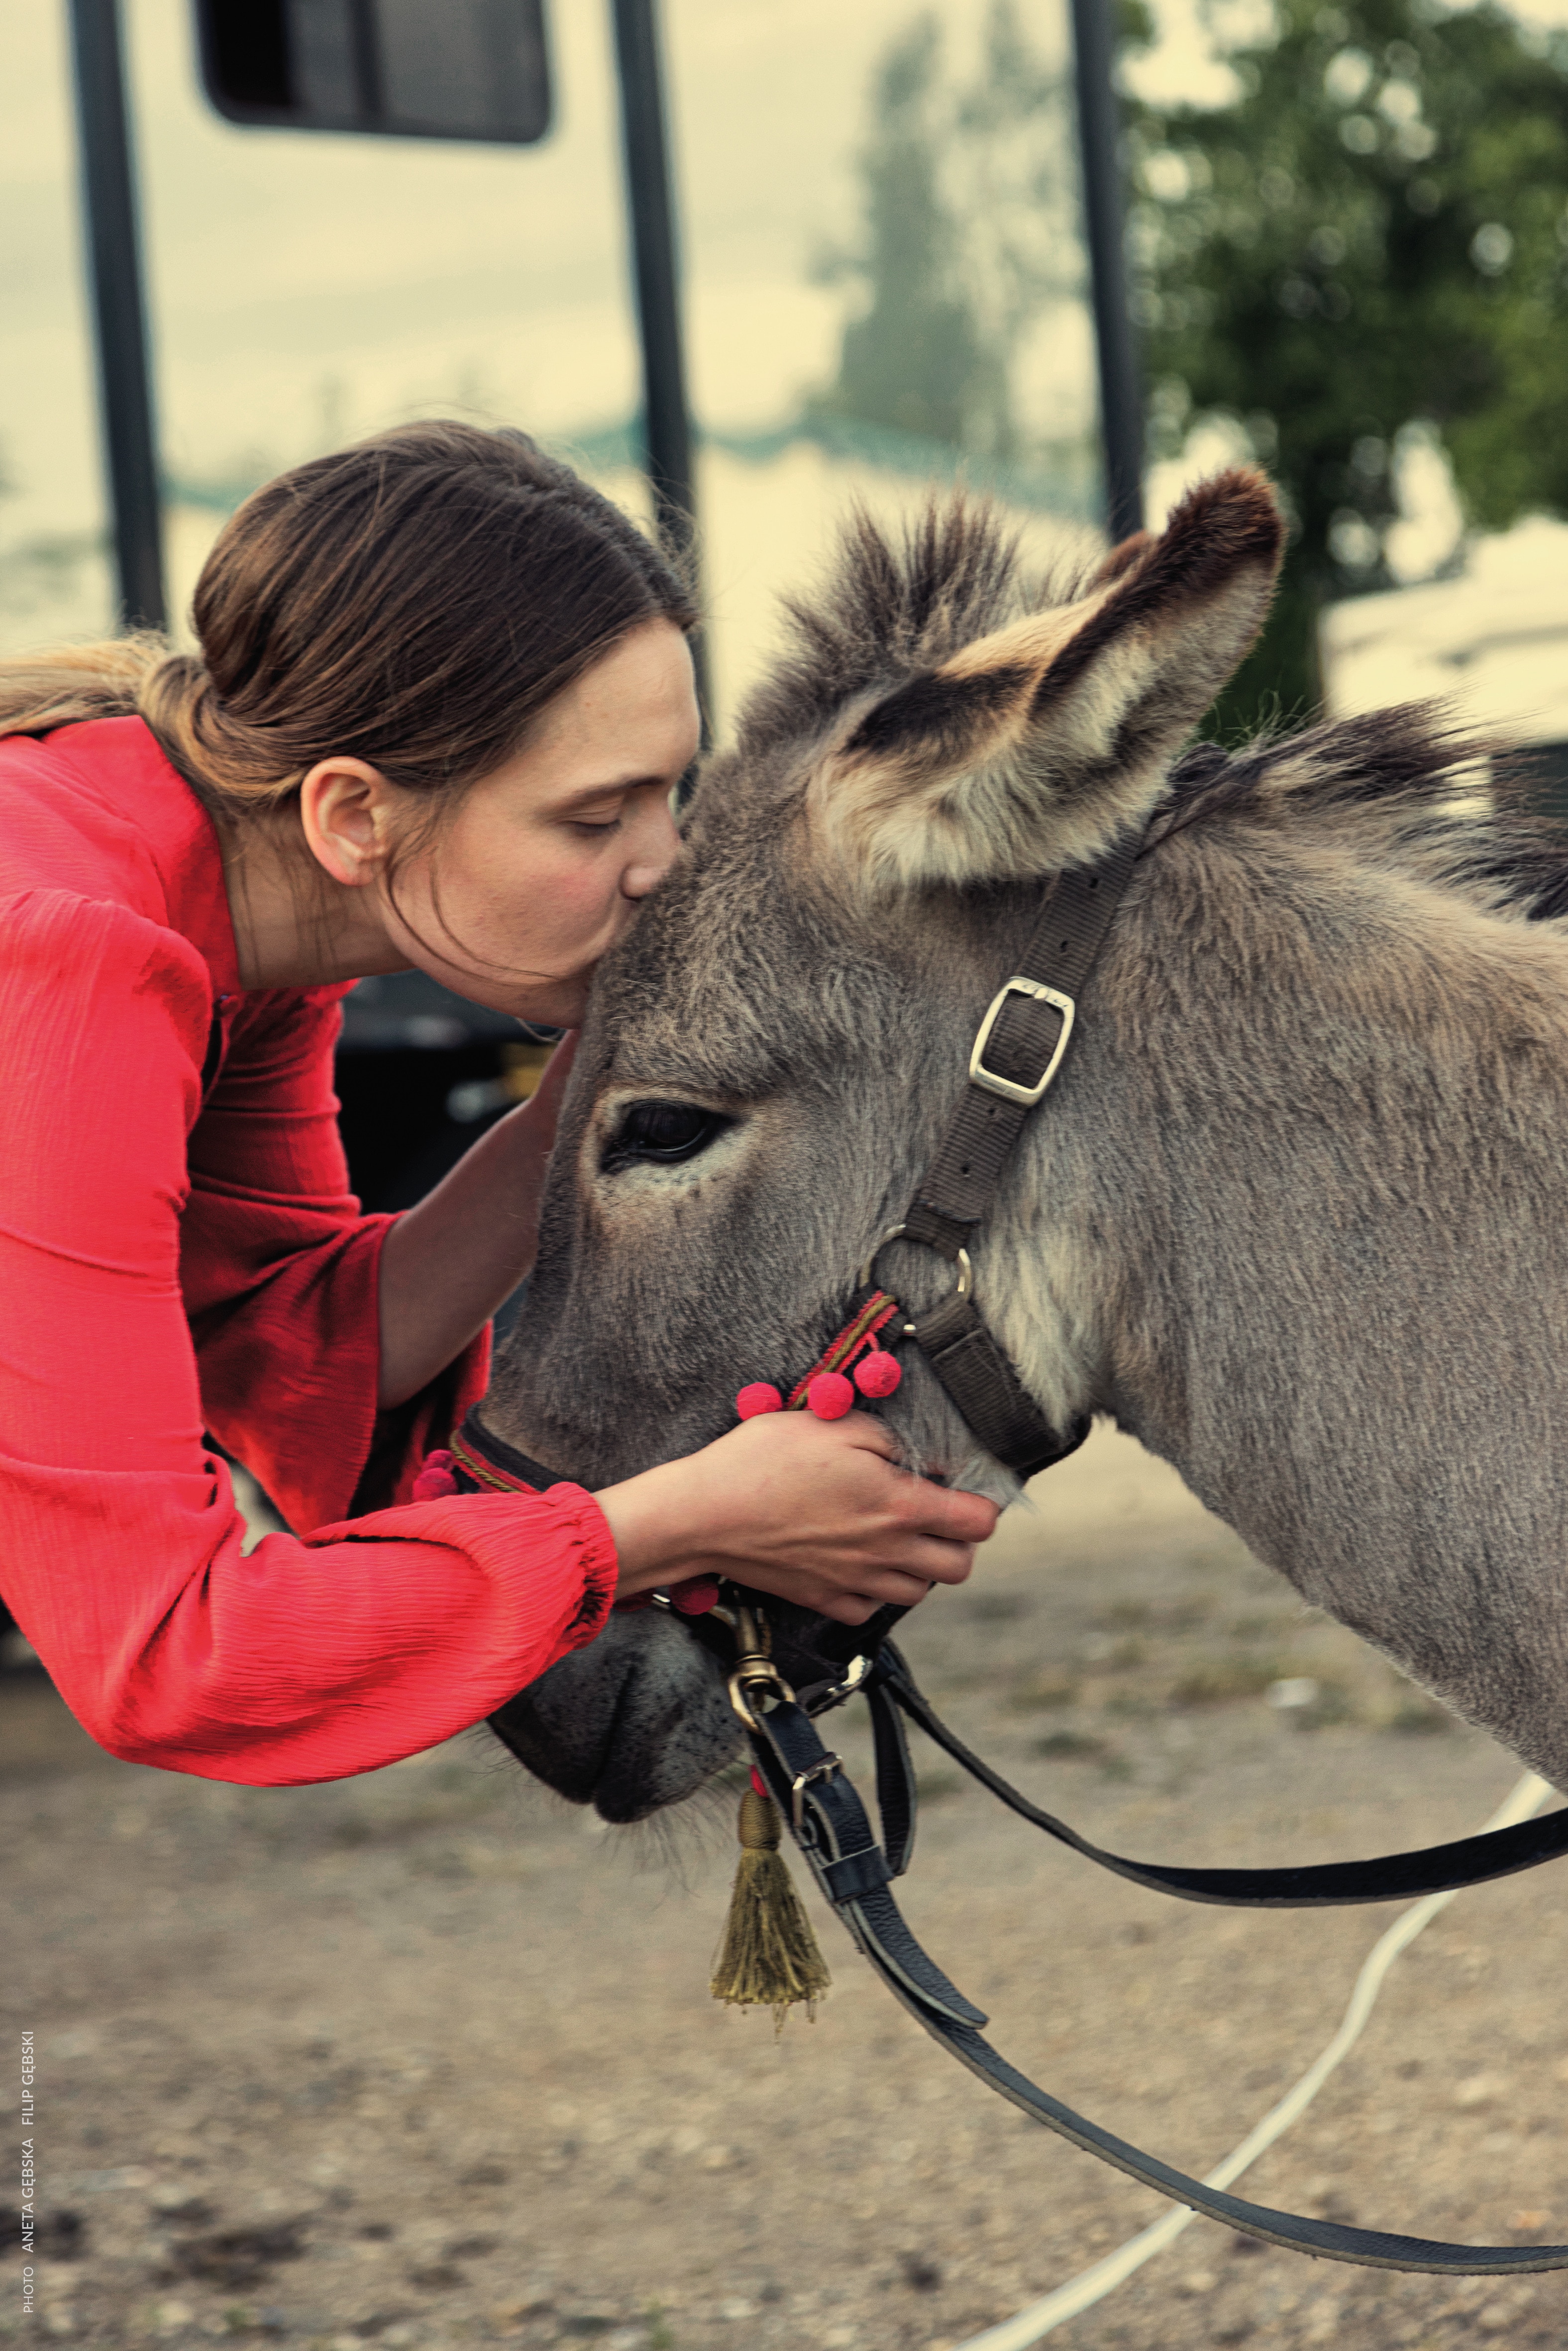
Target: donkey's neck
[[1296, 1217]]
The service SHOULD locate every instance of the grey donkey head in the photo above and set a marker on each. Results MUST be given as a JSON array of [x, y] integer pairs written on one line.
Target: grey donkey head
[[773, 1049]]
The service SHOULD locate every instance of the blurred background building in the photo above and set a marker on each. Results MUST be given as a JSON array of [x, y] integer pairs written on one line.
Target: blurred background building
[[1347, 243]]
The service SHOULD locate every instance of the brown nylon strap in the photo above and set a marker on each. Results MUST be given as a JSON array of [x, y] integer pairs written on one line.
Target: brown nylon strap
[[957, 1187], [988, 1392]]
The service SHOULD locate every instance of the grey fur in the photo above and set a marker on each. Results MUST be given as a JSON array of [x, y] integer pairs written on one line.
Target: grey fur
[[1294, 1215], [628, 1724]]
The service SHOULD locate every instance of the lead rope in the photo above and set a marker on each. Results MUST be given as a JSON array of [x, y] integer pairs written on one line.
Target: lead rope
[[1038, 2319]]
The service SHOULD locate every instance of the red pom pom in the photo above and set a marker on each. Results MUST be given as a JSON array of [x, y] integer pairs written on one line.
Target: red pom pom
[[695, 1596], [760, 1396], [830, 1395], [878, 1375], [435, 1480]]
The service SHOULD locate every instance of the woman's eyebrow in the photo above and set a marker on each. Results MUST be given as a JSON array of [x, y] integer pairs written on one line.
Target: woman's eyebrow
[[587, 793]]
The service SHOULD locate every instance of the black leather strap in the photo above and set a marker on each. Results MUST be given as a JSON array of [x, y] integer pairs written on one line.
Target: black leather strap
[[895, 1790], [856, 1874], [1388, 1877], [830, 1827], [829, 1824]]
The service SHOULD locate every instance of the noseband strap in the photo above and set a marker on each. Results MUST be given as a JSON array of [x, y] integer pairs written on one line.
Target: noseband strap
[[484, 1463]]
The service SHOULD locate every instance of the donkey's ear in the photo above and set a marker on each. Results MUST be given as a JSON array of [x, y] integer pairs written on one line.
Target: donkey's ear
[[1035, 747], [1122, 558]]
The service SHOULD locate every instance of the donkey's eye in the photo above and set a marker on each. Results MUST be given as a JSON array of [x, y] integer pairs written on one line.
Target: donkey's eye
[[662, 1131]]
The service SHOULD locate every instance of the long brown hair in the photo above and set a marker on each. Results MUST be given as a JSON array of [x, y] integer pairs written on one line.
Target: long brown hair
[[414, 601]]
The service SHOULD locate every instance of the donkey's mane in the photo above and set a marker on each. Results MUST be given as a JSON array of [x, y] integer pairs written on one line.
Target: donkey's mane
[[1408, 781]]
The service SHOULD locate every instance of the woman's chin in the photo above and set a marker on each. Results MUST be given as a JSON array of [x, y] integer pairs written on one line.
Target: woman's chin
[[548, 1004], [562, 1006]]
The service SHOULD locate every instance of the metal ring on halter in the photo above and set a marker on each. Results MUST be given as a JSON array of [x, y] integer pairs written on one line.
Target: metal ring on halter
[[756, 1673], [965, 1270]]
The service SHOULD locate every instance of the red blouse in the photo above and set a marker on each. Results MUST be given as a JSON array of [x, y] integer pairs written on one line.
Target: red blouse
[[180, 1252]]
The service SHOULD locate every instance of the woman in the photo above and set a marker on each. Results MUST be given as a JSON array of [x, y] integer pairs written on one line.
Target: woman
[[442, 700]]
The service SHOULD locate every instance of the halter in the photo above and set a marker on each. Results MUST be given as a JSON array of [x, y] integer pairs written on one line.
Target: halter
[[1018, 1051]]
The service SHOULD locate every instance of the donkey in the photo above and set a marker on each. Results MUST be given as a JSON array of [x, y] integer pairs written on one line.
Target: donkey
[[1294, 1213]]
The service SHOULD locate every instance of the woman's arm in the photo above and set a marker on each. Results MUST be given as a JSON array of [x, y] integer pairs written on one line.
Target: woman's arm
[[447, 1264], [121, 1548]]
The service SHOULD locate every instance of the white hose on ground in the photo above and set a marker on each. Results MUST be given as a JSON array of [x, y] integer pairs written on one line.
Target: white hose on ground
[[1093, 2285]]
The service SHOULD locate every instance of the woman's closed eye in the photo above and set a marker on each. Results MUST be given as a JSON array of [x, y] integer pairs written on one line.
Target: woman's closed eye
[[663, 1133], [606, 813]]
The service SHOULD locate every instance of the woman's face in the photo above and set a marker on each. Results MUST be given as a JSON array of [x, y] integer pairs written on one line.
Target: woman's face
[[541, 868]]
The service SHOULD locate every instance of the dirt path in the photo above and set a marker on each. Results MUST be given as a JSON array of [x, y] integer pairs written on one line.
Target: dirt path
[[427, 2059]]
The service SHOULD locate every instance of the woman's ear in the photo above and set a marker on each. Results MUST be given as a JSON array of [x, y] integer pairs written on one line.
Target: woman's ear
[[1034, 748], [346, 812]]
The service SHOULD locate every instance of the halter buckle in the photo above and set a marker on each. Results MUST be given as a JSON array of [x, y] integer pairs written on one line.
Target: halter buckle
[[980, 1076], [826, 1767]]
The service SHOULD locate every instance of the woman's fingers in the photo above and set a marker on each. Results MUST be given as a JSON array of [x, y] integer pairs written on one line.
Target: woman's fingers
[[814, 1511], [844, 1609], [932, 1561], [957, 1516], [886, 1591]]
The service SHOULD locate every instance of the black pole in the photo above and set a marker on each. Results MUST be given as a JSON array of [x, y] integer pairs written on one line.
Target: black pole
[[125, 388], [1120, 392], [650, 214]]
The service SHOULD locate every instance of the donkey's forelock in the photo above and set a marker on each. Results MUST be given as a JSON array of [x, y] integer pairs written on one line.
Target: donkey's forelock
[[707, 985], [890, 604]]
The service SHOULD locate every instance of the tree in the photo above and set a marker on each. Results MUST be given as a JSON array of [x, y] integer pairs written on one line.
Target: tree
[[963, 239], [1369, 241]]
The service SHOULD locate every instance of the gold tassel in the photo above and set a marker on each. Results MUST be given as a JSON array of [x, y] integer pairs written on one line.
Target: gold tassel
[[768, 1957]]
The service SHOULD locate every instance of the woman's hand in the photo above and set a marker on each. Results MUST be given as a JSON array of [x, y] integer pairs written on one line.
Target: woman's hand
[[811, 1510]]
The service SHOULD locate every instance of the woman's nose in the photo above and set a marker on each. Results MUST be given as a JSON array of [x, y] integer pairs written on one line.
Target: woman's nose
[[655, 851]]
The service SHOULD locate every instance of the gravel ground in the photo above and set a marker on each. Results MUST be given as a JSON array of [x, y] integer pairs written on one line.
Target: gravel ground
[[427, 2059]]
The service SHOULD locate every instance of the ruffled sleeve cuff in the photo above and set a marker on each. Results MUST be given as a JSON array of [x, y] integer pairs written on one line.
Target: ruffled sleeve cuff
[[600, 1570], [547, 1564]]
